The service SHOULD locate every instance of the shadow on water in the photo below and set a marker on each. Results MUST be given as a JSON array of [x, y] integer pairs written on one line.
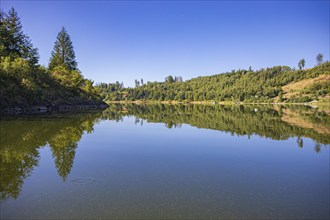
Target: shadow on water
[[22, 138]]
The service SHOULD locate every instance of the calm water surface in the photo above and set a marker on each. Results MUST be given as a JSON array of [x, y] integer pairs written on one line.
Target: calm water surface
[[167, 162]]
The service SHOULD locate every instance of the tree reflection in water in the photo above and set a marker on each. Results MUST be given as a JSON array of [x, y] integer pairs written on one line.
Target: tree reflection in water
[[278, 123], [22, 138]]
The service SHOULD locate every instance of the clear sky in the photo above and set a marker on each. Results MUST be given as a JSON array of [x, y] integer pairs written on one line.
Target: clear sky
[[128, 40]]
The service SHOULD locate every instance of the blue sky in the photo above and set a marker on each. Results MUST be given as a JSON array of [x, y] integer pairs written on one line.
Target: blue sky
[[128, 40]]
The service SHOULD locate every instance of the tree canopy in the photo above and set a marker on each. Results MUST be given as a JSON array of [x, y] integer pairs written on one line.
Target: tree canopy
[[319, 59], [301, 64]]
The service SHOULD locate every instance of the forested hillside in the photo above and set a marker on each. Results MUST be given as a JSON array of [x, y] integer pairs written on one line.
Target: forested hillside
[[264, 85], [24, 83]]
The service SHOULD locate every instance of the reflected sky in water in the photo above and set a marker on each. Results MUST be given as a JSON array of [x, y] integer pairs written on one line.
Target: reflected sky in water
[[150, 171]]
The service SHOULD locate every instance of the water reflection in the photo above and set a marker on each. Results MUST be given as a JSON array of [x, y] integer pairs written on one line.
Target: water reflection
[[22, 138], [278, 123]]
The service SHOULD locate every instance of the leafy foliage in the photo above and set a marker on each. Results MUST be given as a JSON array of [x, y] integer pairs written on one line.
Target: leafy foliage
[[24, 85], [109, 89], [69, 78], [301, 64], [262, 85], [319, 59]]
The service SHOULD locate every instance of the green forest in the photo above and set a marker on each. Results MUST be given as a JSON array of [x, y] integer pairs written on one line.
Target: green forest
[[251, 86], [25, 83]]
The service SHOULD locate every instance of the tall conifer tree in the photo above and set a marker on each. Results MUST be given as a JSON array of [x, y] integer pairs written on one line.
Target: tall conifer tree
[[13, 42], [63, 53]]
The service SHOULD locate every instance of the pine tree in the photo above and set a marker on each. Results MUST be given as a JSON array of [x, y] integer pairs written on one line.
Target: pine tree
[[3, 34], [13, 42], [63, 53]]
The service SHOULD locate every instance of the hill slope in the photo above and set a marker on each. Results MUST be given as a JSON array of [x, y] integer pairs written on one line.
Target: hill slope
[[264, 85], [26, 88]]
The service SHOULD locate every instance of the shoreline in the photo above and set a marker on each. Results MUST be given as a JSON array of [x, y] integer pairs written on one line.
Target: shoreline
[[44, 109], [311, 104]]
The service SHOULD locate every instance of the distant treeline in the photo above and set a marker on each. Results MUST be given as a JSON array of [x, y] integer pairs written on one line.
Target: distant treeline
[[262, 85], [24, 83]]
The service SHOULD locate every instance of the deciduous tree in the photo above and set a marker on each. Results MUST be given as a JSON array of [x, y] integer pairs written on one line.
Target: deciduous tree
[[301, 64], [319, 59]]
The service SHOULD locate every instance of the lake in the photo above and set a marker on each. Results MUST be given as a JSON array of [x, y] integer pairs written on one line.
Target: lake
[[167, 162]]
